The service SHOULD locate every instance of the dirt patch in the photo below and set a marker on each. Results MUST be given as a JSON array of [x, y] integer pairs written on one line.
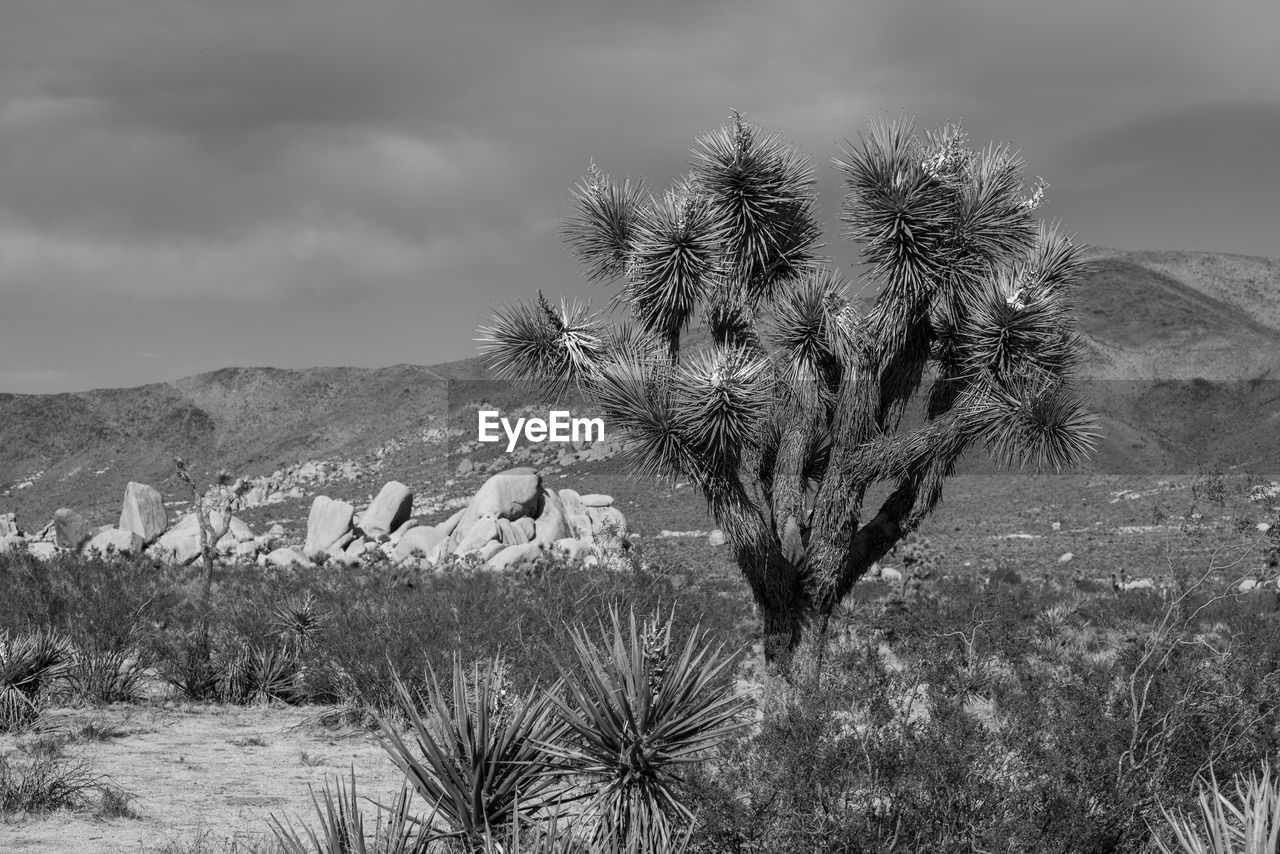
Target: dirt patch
[[214, 771]]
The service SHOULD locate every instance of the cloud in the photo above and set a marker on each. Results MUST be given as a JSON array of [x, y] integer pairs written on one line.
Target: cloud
[[309, 155]]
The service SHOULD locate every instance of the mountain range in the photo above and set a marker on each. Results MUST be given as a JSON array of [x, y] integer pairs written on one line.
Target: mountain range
[[1182, 369]]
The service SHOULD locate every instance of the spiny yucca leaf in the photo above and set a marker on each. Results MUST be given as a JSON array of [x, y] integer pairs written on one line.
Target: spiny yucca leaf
[[1055, 262], [898, 211], [480, 764], [532, 343], [1009, 329], [812, 327], [1036, 421], [342, 825], [635, 397], [600, 230], [720, 396], [764, 192], [674, 258], [993, 222], [1246, 824], [637, 713], [28, 664]]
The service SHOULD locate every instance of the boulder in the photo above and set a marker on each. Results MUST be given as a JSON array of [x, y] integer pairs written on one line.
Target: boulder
[[489, 549], [509, 494], [389, 510], [576, 515], [115, 540], [418, 541], [716, 538], [527, 527], [484, 530], [12, 542], [890, 574], [70, 530], [405, 527], [596, 499], [238, 529], [285, 558], [328, 523], [143, 512], [8, 524], [42, 551], [550, 525], [1065, 557], [509, 534], [516, 557], [181, 543], [451, 524]]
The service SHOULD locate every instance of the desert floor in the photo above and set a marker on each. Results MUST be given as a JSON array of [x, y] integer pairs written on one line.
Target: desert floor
[[217, 772]]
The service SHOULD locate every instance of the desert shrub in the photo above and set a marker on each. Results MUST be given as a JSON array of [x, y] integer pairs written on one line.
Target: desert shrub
[[992, 719], [102, 673], [42, 785]]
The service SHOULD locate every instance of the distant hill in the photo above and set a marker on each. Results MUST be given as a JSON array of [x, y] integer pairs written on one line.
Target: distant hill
[[1184, 355]]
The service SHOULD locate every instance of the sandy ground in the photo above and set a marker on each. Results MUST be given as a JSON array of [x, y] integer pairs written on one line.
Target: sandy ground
[[214, 771]]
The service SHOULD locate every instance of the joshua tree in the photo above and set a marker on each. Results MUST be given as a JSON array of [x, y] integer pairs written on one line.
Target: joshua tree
[[792, 408], [215, 520]]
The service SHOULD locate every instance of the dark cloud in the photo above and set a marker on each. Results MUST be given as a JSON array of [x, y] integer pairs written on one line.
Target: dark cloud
[[327, 181]]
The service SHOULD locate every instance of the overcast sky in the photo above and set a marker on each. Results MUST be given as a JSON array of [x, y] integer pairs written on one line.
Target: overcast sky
[[191, 184]]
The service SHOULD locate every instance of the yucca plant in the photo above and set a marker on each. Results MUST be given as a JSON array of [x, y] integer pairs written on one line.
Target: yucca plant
[[260, 674], [1249, 823], [793, 407], [28, 664], [477, 758], [637, 712], [342, 826]]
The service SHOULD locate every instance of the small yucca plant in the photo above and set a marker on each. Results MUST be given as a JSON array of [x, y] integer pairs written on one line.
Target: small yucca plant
[[479, 764], [260, 675], [637, 713], [342, 826], [1249, 823], [28, 664]]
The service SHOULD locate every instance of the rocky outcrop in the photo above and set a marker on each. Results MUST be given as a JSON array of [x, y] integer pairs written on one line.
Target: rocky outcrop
[[422, 542], [114, 541], [70, 530], [181, 543], [510, 522], [143, 512], [328, 525], [391, 509]]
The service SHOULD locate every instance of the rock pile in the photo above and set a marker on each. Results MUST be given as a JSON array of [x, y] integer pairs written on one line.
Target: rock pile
[[511, 521]]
